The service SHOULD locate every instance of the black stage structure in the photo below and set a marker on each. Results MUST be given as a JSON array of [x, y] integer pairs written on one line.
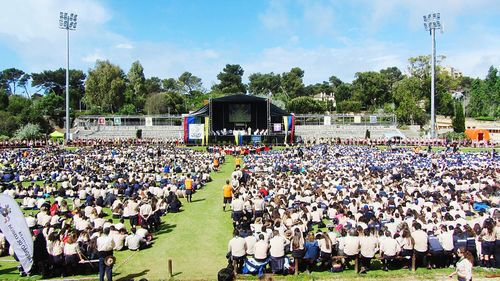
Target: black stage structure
[[241, 119]]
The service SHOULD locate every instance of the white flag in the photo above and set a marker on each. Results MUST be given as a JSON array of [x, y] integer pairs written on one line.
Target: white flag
[[13, 226]]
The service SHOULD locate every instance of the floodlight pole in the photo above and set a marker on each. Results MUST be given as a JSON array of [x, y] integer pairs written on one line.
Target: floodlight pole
[[431, 23], [433, 87], [67, 86], [68, 23]]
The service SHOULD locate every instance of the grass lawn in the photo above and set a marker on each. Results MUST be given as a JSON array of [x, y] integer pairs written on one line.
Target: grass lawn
[[196, 242]]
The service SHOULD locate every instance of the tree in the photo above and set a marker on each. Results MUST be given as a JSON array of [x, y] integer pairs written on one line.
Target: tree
[[407, 94], [29, 132], [23, 82], [485, 96], [8, 123], [305, 105], [171, 85], [420, 66], [11, 77], [51, 105], [18, 104], [153, 85], [161, 103], [156, 104], [4, 98], [135, 95], [458, 121], [105, 86], [370, 88], [292, 84], [335, 81], [343, 92], [264, 84], [54, 81], [348, 106], [189, 83], [231, 80]]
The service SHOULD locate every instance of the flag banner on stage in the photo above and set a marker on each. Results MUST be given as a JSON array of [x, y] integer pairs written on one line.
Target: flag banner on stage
[[187, 121], [285, 122], [207, 119], [196, 131], [291, 123], [13, 225]]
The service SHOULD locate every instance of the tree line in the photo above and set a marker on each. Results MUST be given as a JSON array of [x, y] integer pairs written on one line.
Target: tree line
[[107, 89]]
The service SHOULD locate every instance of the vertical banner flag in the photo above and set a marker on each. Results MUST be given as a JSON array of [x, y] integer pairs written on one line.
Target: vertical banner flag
[[187, 120], [206, 129], [13, 225], [285, 121], [236, 137], [292, 127]]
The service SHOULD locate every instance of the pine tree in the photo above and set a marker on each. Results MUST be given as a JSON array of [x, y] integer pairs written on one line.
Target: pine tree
[[459, 118]]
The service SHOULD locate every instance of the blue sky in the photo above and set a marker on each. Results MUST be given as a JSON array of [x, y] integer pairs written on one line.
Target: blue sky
[[323, 37]]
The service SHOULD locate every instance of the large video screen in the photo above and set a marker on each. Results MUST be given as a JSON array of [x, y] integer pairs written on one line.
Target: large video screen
[[240, 113]]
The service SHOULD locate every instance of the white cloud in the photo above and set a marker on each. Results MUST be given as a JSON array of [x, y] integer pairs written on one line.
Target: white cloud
[[320, 63], [276, 16], [319, 16], [92, 58], [383, 11], [124, 46]]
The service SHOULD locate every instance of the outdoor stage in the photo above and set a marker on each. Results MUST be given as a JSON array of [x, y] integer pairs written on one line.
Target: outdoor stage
[[239, 119]]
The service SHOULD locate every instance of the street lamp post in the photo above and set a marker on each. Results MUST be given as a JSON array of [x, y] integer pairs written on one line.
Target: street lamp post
[[431, 23], [67, 22]]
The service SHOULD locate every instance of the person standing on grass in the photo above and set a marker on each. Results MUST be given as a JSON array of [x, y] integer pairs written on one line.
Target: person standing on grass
[[105, 245], [464, 265], [237, 162], [188, 184], [228, 194], [237, 249]]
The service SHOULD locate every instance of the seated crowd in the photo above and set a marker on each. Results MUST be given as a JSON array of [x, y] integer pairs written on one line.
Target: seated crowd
[[327, 205], [75, 197]]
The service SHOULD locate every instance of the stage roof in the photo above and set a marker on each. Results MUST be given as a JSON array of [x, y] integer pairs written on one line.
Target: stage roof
[[275, 111]]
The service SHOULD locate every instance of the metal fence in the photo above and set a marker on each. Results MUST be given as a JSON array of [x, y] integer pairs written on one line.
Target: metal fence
[[176, 120], [346, 119], [88, 122]]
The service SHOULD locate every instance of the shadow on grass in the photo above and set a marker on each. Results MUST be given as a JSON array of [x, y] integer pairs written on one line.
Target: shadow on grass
[[132, 276], [165, 228], [198, 200], [8, 270]]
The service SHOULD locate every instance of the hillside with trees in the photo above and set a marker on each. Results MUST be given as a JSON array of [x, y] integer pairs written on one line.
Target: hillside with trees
[[39, 98]]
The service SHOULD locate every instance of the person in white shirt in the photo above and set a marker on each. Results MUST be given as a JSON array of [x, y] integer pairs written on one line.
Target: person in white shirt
[[368, 247], [261, 249], [105, 246], [351, 245], [446, 240], [133, 241], [277, 252], [237, 207], [237, 248], [146, 212], [250, 242], [464, 265], [389, 249], [421, 245]]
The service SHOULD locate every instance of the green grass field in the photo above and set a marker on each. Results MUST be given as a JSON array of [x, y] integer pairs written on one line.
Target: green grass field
[[196, 242]]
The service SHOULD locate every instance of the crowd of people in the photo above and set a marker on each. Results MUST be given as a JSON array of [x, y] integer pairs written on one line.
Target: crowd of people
[[322, 206], [87, 203]]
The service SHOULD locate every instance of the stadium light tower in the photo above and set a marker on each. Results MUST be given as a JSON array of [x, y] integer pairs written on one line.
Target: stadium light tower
[[431, 23], [67, 22]]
